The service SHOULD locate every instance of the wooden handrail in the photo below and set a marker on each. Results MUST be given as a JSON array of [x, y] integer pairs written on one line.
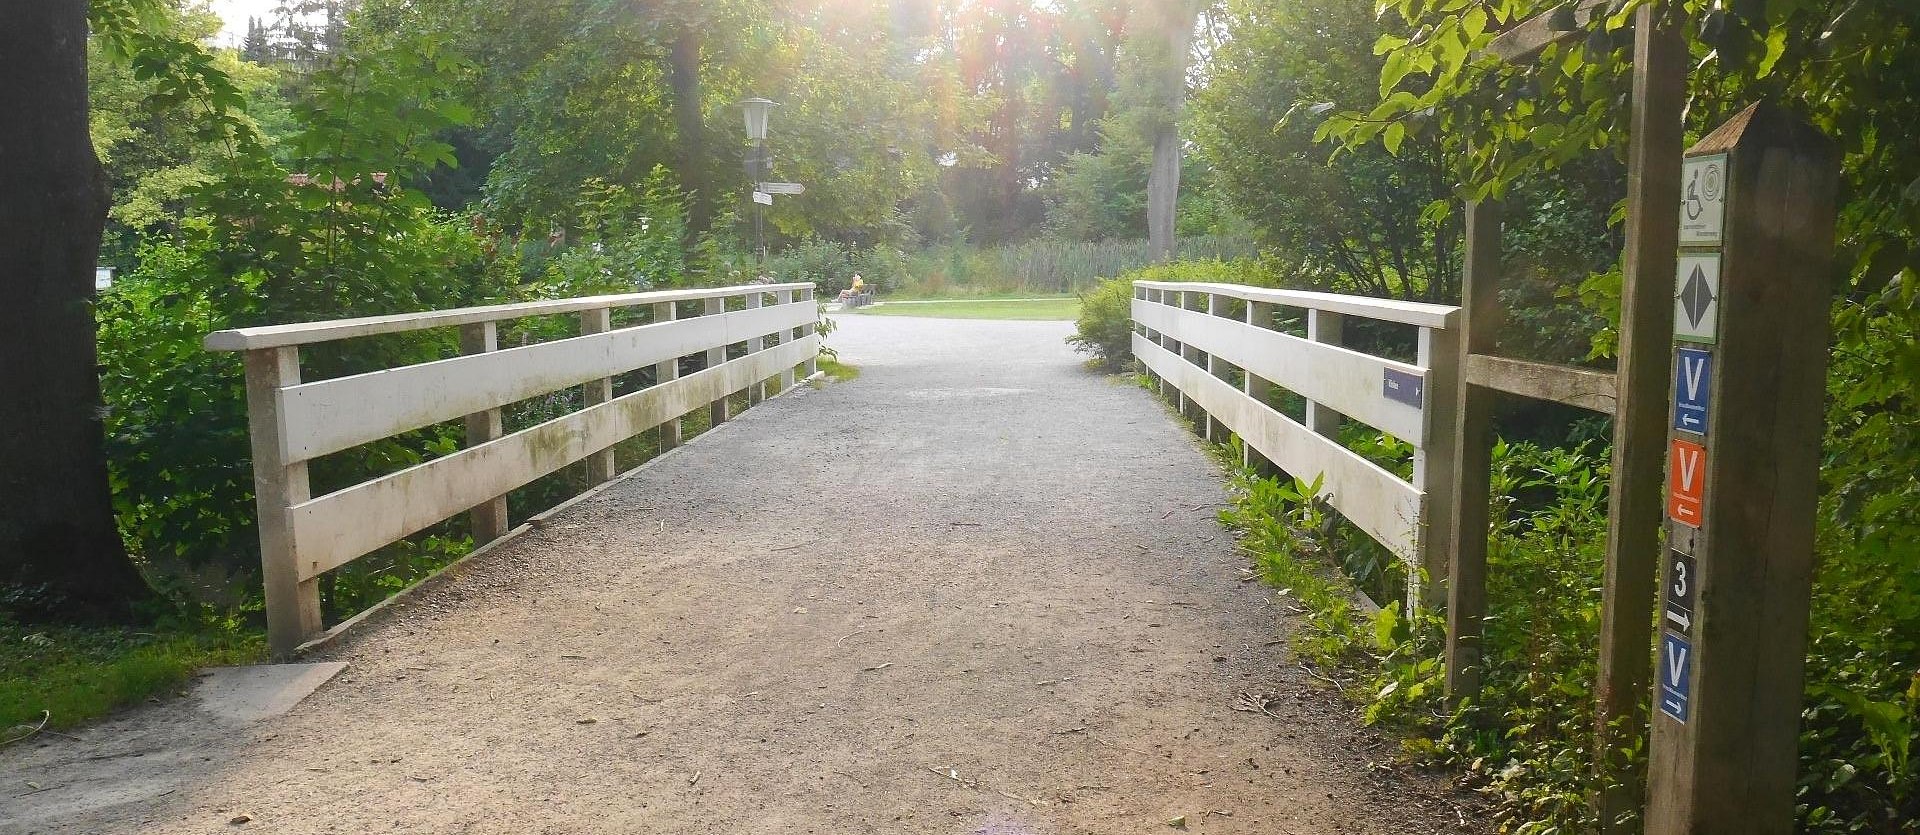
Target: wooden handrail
[[280, 336], [1387, 310]]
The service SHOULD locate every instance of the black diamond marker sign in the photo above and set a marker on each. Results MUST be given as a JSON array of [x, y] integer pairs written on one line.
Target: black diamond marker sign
[[1696, 302], [1696, 296]]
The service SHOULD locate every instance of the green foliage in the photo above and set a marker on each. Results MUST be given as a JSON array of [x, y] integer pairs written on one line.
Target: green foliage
[[629, 240], [1045, 266], [1031, 310], [1105, 327], [67, 675], [1374, 222], [1104, 330], [1528, 738]]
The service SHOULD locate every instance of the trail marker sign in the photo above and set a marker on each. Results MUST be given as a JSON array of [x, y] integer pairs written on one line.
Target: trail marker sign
[[763, 198], [1683, 575], [1750, 324], [1703, 200], [1686, 481], [1692, 381], [1402, 387], [1676, 676], [1696, 298]]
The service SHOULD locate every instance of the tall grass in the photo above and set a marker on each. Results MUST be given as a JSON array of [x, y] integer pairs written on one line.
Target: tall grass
[[1044, 266]]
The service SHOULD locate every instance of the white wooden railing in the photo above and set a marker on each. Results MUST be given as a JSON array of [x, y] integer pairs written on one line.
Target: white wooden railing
[[1184, 338], [303, 536]]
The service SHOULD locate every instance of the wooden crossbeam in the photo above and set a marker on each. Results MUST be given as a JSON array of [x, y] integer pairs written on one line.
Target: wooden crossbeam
[[1527, 38], [1583, 387]]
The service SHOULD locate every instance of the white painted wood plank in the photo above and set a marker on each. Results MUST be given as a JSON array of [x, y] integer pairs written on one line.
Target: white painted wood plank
[[273, 336], [1347, 381], [1374, 499], [1386, 310], [333, 415], [339, 527]]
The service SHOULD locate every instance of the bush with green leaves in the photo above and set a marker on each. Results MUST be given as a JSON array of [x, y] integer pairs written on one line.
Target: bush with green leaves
[[1528, 738], [1104, 330]]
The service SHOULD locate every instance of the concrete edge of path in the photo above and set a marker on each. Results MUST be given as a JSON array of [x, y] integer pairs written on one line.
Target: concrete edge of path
[[453, 570], [260, 691]]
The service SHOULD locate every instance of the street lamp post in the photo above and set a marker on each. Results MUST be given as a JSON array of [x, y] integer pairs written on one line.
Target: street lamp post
[[758, 110]]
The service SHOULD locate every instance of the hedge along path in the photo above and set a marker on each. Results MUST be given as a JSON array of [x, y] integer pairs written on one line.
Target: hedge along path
[[980, 589]]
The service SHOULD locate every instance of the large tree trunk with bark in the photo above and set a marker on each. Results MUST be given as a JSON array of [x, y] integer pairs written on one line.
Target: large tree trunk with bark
[[684, 78], [57, 530], [1163, 178]]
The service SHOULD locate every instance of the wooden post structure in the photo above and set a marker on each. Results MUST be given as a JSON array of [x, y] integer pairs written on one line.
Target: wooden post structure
[[1259, 315], [1639, 429], [812, 365], [293, 604], [1327, 327], [717, 411], [784, 336], [1473, 455], [1750, 316], [489, 518], [758, 390], [1167, 391], [1433, 462], [1634, 395], [600, 465], [1216, 432], [665, 371]]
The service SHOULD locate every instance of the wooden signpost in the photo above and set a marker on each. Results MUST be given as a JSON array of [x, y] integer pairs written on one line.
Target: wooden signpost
[[1750, 308]]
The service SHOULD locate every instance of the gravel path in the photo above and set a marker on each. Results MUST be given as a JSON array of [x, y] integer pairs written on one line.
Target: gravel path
[[979, 589]]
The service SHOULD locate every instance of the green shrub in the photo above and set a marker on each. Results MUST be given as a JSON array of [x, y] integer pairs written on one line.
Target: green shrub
[[1105, 327], [1528, 738]]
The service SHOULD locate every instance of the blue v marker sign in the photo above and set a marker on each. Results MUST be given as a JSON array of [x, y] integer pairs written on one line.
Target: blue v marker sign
[[1692, 381], [1676, 676]]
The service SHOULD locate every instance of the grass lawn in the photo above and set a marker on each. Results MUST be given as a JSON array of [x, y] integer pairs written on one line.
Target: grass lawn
[[69, 674], [1065, 308]]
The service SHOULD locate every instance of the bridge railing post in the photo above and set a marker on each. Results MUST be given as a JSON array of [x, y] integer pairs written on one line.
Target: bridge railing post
[[600, 465], [665, 371], [489, 518], [1326, 327], [1433, 462], [293, 604], [717, 411], [812, 365], [785, 335], [756, 392], [1472, 455], [1259, 315]]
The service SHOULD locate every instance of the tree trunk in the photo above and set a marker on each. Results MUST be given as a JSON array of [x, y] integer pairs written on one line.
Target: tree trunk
[[1163, 179], [684, 78], [57, 531]]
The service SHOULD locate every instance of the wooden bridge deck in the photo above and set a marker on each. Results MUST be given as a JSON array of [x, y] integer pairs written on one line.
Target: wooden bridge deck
[[979, 589]]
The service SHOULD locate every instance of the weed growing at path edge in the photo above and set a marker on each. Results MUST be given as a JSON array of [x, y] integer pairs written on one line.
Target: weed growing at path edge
[[68, 675]]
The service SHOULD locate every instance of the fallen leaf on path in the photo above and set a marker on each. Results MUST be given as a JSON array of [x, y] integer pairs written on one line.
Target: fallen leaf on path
[[876, 667], [1178, 822], [239, 819]]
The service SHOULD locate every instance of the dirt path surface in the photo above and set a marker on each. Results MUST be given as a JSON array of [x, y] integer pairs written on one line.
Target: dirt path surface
[[978, 590]]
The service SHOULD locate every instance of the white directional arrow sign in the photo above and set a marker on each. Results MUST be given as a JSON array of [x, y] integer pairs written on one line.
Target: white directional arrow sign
[[783, 188]]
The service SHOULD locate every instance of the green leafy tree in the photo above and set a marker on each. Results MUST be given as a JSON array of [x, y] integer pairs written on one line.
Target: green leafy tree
[[1375, 221]]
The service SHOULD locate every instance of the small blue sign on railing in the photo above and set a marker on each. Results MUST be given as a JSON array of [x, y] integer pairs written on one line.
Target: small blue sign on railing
[[1406, 388]]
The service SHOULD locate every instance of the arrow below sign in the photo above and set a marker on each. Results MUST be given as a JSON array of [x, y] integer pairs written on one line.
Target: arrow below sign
[[783, 188]]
